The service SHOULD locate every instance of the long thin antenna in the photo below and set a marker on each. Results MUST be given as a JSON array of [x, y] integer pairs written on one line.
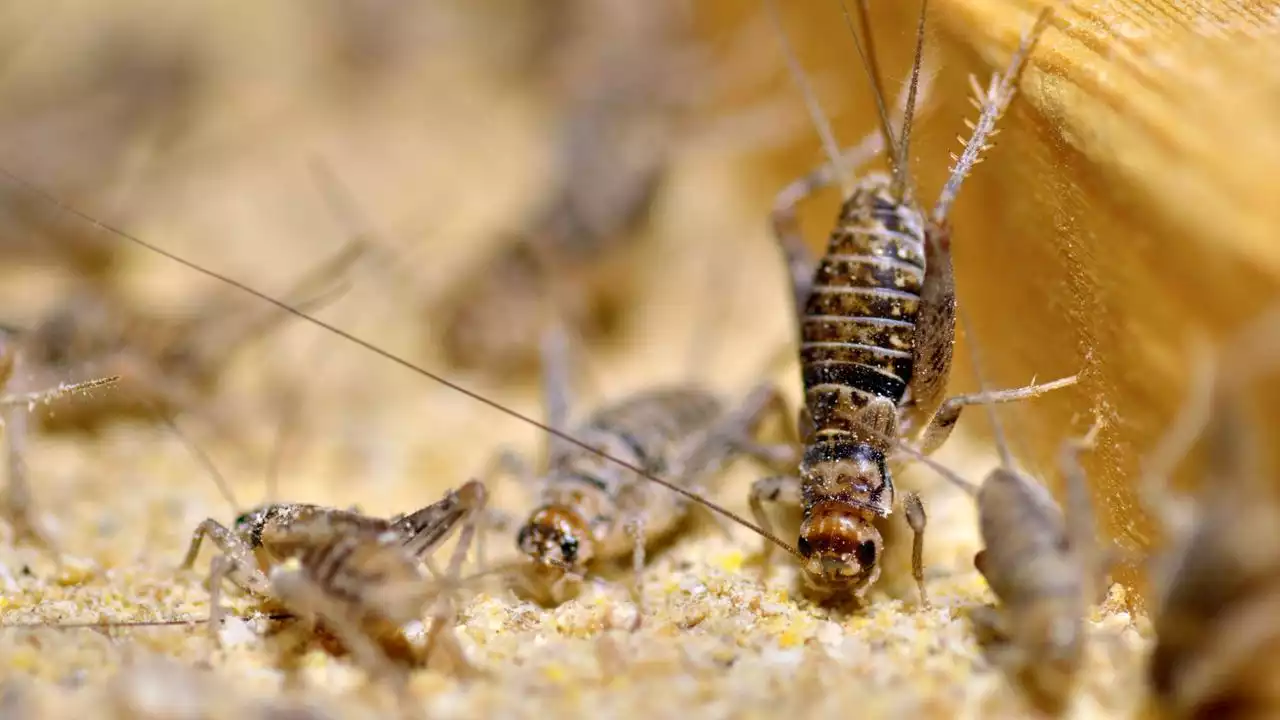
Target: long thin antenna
[[937, 467], [868, 56], [820, 121], [224, 488], [901, 175], [975, 356], [388, 355]]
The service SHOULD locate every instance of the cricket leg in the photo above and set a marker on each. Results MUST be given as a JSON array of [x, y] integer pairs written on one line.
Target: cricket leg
[[442, 636], [944, 421], [635, 529], [917, 519], [1080, 522], [507, 462], [19, 509], [426, 529], [235, 563], [779, 489], [800, 261], [557, 388]]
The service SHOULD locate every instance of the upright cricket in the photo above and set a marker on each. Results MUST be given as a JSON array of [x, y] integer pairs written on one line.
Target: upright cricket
[[876, 316]]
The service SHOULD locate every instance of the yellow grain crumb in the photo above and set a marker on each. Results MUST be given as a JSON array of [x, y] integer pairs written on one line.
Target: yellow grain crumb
[[789, 638], [25, 659], [555, 672], [73, 573], [731, 561]]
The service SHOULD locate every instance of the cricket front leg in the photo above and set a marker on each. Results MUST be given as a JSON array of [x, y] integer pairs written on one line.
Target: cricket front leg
[[917, 519], [238, 562], [782, 490]]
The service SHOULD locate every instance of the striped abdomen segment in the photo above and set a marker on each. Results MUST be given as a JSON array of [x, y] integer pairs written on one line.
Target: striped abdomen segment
[[355, 568], [857, 333], [645, 430]]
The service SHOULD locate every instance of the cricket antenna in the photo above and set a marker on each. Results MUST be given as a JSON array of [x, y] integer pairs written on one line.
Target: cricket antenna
[[901, 174], [867, 53], [388, 355], [202, 457], [975, 356], [937, 467], [819, 118]]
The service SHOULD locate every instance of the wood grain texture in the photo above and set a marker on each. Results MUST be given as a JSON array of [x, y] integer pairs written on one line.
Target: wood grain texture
[[1132, 198]]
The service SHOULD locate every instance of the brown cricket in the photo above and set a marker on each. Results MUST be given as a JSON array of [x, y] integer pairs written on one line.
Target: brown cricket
[[361, 576], [591, 510], [876, 316]]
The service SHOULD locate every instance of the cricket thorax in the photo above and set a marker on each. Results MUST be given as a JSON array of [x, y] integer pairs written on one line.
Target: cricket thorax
[[858, 326], [283, 529]]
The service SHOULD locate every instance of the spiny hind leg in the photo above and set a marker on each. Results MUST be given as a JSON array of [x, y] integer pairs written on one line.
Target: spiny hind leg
[[916, 519], [991, 104], [944, 420], [781, 490]]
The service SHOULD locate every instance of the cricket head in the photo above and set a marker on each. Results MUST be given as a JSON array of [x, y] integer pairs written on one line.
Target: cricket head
[[839, 542], [251, 524], [559, 542], [841, 549]]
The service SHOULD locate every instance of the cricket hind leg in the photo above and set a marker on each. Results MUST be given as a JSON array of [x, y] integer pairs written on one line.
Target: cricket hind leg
[[944, 420], [800, 261]]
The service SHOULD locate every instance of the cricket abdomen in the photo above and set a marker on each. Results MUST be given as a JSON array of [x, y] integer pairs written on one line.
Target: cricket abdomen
[[857, 333]]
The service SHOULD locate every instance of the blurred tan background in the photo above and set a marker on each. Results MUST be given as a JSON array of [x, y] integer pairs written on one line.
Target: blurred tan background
[[1129, 199]]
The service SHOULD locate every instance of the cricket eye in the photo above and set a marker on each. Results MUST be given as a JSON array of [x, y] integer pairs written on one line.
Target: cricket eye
[[804, 547], [866, 553], [569, 548]]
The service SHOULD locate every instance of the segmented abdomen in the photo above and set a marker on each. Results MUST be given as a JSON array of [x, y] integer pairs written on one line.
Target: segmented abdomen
[[857, 332], [646, 430]]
